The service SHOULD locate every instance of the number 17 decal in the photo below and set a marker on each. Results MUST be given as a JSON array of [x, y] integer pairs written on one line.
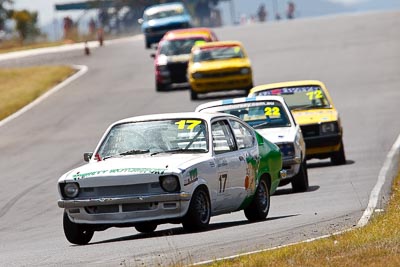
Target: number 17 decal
[[222, 182]]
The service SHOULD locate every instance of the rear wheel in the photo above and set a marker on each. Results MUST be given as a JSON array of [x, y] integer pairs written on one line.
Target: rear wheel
[[259, 207], [339, 157], [79, 234], [146, 228], [193, 95], [160, 87], [198, 216], [300, 180]]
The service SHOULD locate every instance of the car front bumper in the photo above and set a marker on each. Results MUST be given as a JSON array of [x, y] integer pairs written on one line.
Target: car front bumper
[[207, 85], [291, 165], [127, 209]]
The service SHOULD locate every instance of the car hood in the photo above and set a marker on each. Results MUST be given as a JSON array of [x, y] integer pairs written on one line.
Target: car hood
[[278, 134], [166, 21], [143, 167], [313, 116], [217, 65]]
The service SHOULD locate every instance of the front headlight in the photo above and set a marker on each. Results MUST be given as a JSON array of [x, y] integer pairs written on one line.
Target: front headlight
[[287, 149], [70, 190], [197, 75], [170, 183], [328, 128], [245, 70]]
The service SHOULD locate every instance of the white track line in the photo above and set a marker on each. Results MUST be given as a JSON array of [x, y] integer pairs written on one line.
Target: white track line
[[389, 170], [81, 70]]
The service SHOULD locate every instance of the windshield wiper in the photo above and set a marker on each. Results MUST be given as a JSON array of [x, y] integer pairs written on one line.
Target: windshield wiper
[[261, 124], [130, 152], [183, 150]]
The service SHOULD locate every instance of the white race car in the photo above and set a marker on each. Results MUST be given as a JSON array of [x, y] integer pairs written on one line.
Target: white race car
[[272, 118], [170, 168]]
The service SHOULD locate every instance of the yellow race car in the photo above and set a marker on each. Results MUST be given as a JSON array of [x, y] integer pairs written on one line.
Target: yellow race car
[[313, 109], [218, 66]]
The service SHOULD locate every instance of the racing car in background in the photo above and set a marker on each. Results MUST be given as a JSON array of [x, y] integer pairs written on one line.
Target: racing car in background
[[219, 66], [271, 117], [170, 168], [313, 109], [172, 56], [158, 19]]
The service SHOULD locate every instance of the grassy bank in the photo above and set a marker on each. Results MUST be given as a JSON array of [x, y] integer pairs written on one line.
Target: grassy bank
[[20, 86], [377, 244]]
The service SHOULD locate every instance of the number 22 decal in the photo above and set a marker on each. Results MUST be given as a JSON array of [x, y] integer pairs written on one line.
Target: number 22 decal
[[274, 111]]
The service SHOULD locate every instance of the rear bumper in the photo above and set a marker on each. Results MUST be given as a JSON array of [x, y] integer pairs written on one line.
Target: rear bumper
[[322, 146]]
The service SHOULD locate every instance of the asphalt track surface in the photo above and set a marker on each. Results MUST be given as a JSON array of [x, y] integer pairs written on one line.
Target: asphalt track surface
[[357, 56]]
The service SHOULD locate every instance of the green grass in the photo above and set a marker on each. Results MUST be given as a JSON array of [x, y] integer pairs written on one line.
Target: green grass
[[377, 244], [20, 86]]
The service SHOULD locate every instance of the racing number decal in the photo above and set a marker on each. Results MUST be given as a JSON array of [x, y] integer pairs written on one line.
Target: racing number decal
[[314, 95], [191, 124], [274, 111], [222, 182]]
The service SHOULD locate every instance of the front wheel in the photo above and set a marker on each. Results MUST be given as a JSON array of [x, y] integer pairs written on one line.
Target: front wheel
[[259, 206], [146, 228], [78, 234], [193, 94], [339, 157], [198, 216], [300, 180]]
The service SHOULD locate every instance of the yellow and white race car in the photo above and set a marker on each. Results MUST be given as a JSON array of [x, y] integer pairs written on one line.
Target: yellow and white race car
[[313, 109]]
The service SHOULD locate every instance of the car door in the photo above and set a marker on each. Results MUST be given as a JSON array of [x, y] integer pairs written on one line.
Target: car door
[[230, 167], [248, 150]]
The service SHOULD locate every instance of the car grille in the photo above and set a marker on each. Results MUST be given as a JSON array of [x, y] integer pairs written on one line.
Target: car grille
[[169, 27], [178, 72], [124, 208], [120, 190], [220, 74], [310, 130]]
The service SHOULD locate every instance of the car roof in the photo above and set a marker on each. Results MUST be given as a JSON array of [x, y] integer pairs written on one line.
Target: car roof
[[220, 43], [189, 32], [180, 115], [239, 101], [161, 7], [264, 87]]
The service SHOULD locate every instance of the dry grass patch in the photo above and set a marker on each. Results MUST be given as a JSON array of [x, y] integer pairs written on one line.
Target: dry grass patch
[[377, 244], [20, 86], [12, 46]]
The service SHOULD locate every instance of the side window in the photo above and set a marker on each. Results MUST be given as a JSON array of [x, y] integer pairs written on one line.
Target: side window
[[243, 135], [223, 140]]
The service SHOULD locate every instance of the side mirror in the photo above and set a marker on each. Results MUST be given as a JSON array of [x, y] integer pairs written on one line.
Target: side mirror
[[87, 156], [152, 55], [140, 21]]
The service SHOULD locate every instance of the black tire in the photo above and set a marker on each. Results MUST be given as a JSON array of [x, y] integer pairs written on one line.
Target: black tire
[[146, 228], [147, 44], [193, 95], [78, 234], [300, 180], [198, 216], [160, 87], [339, 158], [259, 206]]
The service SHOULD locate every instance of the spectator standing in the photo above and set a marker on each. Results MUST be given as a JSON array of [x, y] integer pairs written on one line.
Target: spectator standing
[[262, 13], [203, 12], [290, 10]]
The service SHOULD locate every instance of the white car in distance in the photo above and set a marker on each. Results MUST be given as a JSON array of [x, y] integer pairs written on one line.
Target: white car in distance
[[271, 117]]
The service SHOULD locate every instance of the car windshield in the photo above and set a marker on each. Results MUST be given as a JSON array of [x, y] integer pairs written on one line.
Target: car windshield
[[300, 97], [163, 13], [217, 53], [153, 137], [260, 114], [179, 46]]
